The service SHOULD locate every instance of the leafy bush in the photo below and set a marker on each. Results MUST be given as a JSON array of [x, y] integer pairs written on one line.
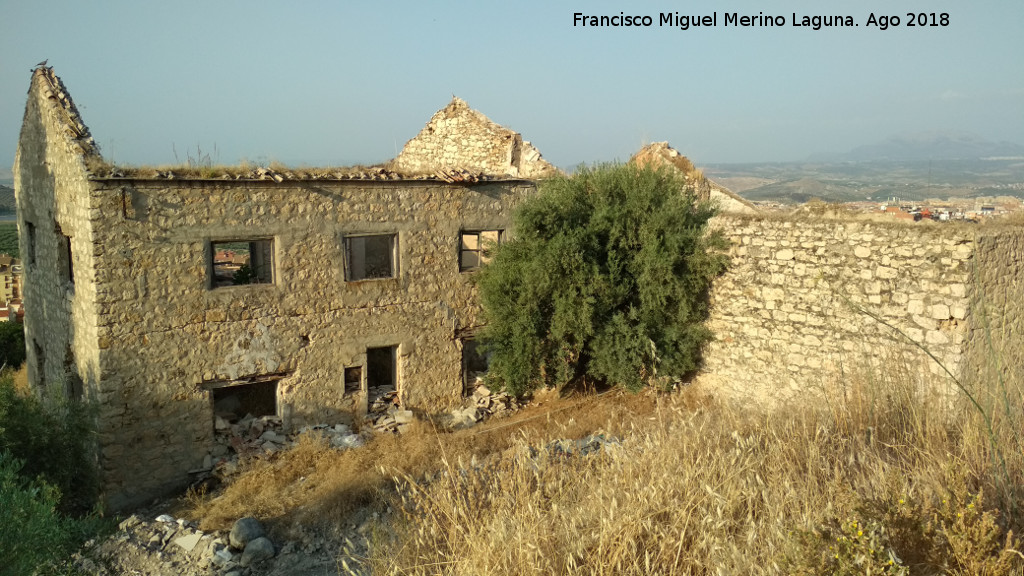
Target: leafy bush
[[607, 279], [243, 275], [54, 440], [12, 344], [32, 533]]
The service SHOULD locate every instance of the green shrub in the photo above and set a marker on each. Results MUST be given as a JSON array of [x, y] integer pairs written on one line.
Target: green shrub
[[243, 275], [607, 279], [12, 344], [55, 442], [35, 538], [32, 532]]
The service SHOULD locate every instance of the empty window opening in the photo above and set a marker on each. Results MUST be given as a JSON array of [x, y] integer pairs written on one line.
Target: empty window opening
[[353, 380], [67, 265], [382, 377], [30, 251], [73, 385], [232, 402], [475, 247], [239, 262], [40, 365], [370, 256], [474, 366]]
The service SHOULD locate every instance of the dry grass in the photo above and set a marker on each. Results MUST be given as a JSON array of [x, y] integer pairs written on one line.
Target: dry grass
[[21, 380], [884, 478], [313, 485], [885, 481]]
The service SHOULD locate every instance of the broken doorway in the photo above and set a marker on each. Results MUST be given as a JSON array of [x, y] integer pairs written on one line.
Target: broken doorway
[[382, 377], [474, 366]]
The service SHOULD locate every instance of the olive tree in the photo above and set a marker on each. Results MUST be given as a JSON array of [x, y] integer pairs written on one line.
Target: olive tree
[[607, 279]]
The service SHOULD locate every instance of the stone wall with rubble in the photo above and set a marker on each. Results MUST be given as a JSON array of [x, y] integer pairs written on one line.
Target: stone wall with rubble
[[55, 221], [167, 337], [462, 138], [805, 303]]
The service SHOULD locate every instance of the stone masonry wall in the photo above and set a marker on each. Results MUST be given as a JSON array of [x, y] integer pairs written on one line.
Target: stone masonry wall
[[458, 137], [52, 193], [165, 336], [995, 347], [793, 314]]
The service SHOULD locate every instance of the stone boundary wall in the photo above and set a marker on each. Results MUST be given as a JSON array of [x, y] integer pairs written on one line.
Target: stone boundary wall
[[995, 345], [794, 312]]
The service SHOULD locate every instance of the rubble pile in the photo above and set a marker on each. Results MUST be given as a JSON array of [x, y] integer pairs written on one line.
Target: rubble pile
[[565, 448], [385, 412], [483, 404], [261, 436], [393, 420], [169, 545], [254, 436]]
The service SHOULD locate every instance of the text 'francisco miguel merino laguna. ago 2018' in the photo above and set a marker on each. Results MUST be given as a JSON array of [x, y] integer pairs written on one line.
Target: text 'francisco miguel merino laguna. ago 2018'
[[759, 20]]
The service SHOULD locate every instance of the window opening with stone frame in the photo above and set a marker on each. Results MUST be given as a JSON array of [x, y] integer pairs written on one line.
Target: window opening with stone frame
[[74, 387], [370, 256], [353, 379], [233, 401], [40, 365], [241, 262], [30, 251], [476, 246], [382, 377], [65, 263]]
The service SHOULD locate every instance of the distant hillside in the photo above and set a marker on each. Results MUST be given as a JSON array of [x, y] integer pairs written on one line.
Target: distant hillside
[[7, 200], [879, 180], [9, 239], [929, 146], [803, 189]]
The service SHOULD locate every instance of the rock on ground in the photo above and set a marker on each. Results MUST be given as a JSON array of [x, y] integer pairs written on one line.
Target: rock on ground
[[244, 531], [257, 550]]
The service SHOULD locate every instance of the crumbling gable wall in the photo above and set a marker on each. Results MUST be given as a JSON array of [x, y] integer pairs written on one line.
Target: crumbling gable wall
[[661, 154], [56, 204], [458, 137]]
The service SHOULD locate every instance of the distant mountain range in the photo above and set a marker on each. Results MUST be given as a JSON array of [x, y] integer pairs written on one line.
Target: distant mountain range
[[927, 146]]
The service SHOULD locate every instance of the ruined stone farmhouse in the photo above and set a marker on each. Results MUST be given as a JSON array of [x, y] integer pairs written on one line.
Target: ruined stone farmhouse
[[170, 295]]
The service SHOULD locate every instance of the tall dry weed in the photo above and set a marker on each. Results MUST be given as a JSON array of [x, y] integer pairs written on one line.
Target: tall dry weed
[[314, 486], [882, 482]]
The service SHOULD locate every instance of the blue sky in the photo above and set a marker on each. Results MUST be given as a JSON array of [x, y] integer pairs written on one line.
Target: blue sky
[[342, 82]]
